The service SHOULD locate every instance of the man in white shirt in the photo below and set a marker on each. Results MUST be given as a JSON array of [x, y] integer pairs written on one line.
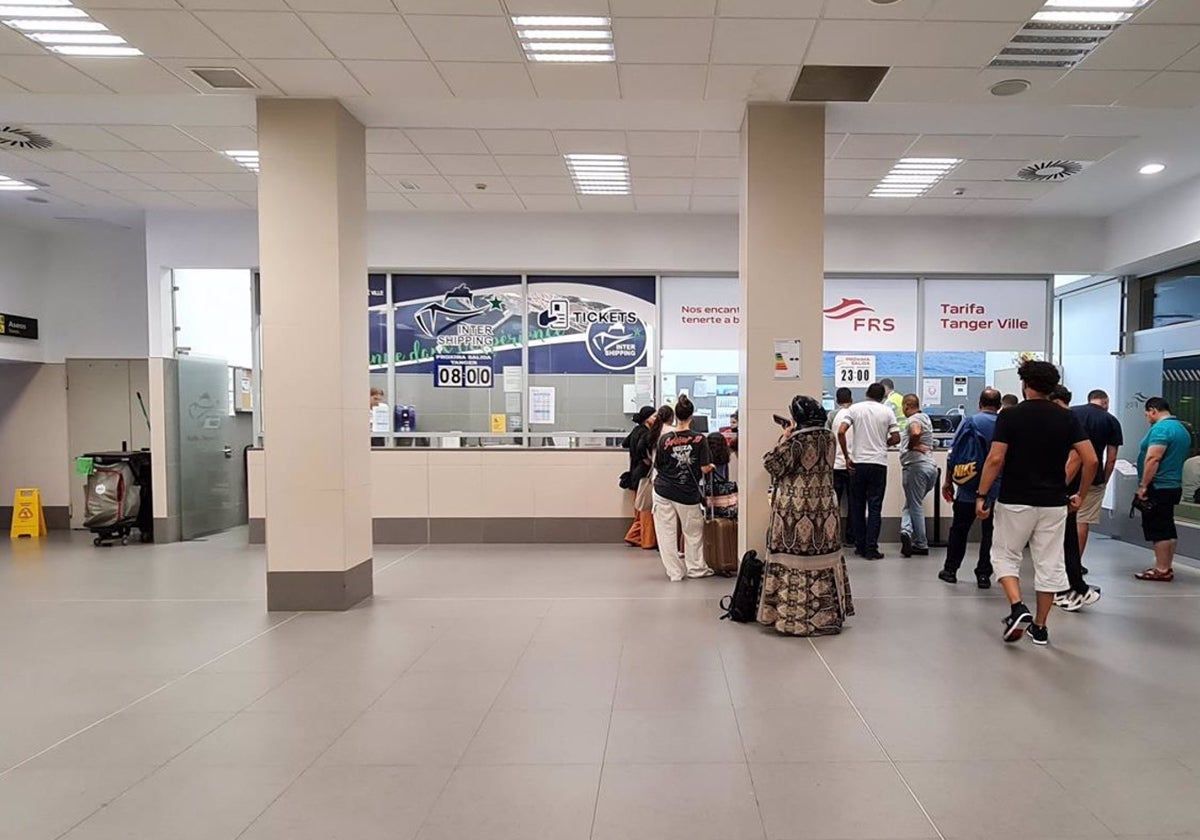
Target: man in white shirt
[[875, 429], [841, 475]]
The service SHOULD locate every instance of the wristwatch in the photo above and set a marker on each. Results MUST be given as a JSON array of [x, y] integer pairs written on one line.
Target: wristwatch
[[983, 496]]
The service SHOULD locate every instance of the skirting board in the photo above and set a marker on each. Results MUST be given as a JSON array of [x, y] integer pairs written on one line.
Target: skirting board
[[320, 591]]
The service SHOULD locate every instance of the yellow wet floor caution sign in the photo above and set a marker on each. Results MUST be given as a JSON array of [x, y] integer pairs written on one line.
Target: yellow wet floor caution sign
[[28, 518]]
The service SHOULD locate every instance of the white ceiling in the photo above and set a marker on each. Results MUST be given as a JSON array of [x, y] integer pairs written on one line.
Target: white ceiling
[[451, 102]]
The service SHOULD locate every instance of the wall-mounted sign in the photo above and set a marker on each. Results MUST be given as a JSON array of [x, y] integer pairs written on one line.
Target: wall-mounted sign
[[870, 314], [18, 326], [787, 358], [985, 315], [592, 325], [463, 372], [960, 386], [700, 313], [853, 371]]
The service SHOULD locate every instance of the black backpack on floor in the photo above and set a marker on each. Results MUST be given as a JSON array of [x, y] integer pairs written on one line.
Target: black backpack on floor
[[742, 605]]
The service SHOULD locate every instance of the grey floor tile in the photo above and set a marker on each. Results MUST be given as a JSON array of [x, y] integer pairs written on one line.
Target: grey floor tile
[[363, 803], [826, 801], [816, 734], [188, 803], [42, 804], [212, 692], [672, 688], [457, 690], [515, 803], [541, 684], [674, 737], [267, 739], [677, 802], [540, 737], [327, 689], [1131, 796], [412, 738], [133, 739], [471, 654], [977, 799]]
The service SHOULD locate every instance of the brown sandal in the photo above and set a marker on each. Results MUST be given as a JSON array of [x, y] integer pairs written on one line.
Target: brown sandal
[[1156, 575]]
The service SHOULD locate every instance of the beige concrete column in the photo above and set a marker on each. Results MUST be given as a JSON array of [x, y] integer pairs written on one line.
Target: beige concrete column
[[782, 282], [312, 250]]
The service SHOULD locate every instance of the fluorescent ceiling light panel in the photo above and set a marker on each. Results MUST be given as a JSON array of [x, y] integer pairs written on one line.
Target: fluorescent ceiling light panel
[[1080, 16], [1127, 5], [913, 177], [61, 28], [566, 39], [1064, 32], [244, 157], [599, 174], [8, 184]]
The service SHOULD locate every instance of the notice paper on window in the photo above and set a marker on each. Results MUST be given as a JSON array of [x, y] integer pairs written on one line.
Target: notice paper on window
[[704, 386], [541, 404], [512, 378]]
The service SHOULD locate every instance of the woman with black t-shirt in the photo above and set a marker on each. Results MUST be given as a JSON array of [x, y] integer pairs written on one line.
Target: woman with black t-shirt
[[681, 460]]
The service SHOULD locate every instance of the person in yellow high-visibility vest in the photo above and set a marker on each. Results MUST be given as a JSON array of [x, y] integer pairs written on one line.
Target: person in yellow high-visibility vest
[[893, 400]]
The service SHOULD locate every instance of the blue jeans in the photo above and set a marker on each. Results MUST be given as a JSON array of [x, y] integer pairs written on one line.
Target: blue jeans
[[867, 485], [918, 480]]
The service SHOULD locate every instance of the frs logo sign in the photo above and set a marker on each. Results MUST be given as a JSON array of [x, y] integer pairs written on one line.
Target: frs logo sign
[[856, 313]]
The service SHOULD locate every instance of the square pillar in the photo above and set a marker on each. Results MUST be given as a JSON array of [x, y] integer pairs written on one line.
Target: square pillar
[[312, 210], [782, 280]]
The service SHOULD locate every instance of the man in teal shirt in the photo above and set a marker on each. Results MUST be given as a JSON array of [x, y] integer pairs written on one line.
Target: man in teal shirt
[[1160, 468]]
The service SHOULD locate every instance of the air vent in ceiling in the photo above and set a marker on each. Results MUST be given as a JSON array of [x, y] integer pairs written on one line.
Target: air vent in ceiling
[[223, 78], [822, 83], [12, 137], [1051, 170]]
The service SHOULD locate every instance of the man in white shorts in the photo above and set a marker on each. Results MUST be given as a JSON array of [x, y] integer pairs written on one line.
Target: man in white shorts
[[1031, 445]]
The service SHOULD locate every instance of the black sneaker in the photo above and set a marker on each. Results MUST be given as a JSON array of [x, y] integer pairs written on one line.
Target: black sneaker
[[906, 549], [1017, 622], [920, 552], [983, 581], [948, 576], [874, 555], [1039, 635], [1083, 570]]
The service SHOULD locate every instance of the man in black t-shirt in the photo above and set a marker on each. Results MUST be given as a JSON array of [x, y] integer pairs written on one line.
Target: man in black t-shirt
[[1032, 443], [1104, 431], [681, 459]]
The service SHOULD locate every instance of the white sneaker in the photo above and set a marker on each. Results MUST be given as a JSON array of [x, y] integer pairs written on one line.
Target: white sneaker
[[1075, 601], [1063, 598], [704, 574]]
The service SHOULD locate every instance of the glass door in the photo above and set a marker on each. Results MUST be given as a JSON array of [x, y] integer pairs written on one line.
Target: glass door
[[1139, 377]]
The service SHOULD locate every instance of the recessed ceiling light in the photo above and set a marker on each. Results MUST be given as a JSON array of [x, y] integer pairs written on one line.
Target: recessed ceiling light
[[244, 157], [1079, 16], [1064, 32], [884, 2], [599, 174], [912, 177], [1152, 168], [8, 184], [1094, 5], [1010, 87], [61, 28], [566, 39], [110, 52]]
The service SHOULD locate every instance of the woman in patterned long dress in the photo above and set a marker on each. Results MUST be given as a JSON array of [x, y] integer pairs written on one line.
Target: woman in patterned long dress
[[806, 591]]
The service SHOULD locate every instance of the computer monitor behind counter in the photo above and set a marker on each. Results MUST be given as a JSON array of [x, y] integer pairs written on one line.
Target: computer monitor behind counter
[[699, 423]]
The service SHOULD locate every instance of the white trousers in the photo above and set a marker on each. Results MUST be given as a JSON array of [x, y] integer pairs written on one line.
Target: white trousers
[[1042, 529], [668, 516]]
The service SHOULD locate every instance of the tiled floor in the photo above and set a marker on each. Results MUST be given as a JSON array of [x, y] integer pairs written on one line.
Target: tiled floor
[[555, 693]]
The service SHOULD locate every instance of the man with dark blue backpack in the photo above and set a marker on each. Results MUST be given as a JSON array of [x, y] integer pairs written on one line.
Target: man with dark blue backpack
[[964, 466]]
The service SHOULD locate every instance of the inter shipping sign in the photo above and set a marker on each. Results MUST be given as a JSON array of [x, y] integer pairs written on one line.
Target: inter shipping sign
[[866, 315], [985, 315]]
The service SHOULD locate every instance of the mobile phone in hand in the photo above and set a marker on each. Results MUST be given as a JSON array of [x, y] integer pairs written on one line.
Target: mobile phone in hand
[[782, 421]]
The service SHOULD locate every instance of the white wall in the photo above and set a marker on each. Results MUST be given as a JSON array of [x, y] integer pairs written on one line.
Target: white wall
[[23, 255], [33, 432], [1161, 232]]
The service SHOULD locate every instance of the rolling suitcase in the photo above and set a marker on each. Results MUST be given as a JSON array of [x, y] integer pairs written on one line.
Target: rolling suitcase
[[720, 539]]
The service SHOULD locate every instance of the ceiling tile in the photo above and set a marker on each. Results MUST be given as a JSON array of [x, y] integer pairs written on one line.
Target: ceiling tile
[[663, 40], [746, 41], [881, 206], [468, 184], [174, 181], [193, 162], [867, 10], [938, 206], [717, 186], [663, 81], [365, 36], [907, 43], [47, 74], [486, 80], [392, 140], [379, 184], [558, 7], [995, 207], [592, 142], [447, 141], [239, 183], [1010, 11], [662, 167], [948, 145], [400, 165], [154, 199], [110, 180], [211, 200], [223, 137], [70, 162], [1092, 87], [988, 170], [663, 8], [134, 162], [265, 34], [726, 167], [534, 185], [887, 146], [927, 84], [420, 183], [157, 138], [607, 203], [662, 186], [559, 81], [1170, 11], [550, 203], [840, 206], [553, 166], [83, 138], [833, 142], [406, 79], [236, 5], [720, 144], [14, 43], [494, 203], [770, 8], [870, 43], [449, 38], [847, 189], [745, 82], [1143, 47], [1189, 63], [165, 34], [465, 164], [310, 77], [871, 170], [663, 143], [519, 141], [436, 202], [1166, 90], [250, 199], [380, 6], [662, 203], [451, 7], [132, 75], [1021, 147], [714, 204]]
